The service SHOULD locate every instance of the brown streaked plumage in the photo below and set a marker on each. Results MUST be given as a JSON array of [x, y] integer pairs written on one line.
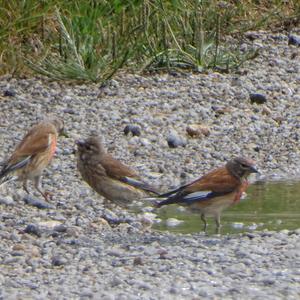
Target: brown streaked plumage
[[214, 191], [33, 154], [108, 176]]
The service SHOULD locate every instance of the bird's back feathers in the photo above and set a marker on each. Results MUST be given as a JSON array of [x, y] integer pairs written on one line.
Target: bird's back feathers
[[216, 183]]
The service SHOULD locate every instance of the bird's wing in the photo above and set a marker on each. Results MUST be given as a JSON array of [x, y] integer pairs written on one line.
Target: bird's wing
[[215, 183], [218, 181], [140, 184], [37, 140], [117, 170], [96, 168]]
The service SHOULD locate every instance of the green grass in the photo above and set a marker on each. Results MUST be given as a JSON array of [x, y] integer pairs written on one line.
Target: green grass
[[92, 40]]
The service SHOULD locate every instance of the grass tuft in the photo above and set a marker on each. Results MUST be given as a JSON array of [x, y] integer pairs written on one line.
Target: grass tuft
[[91, 40]]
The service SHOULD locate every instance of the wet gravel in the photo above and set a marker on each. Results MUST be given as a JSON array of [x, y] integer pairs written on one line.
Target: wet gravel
[[75, 248]]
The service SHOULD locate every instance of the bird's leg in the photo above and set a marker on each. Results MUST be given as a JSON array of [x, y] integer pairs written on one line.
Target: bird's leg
[[218, 223], [25, 186], [204, 221], [37, 185]]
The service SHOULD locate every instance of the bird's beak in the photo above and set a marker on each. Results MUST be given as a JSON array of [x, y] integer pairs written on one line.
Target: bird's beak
[[253, 170]]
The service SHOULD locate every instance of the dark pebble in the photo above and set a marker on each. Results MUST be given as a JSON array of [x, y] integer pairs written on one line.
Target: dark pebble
[[138, 261], [133, 129], [17, 253], [258, 98], [9, 93], [36, 202], [60, 228], [70, 111], [256, 148], [294, 40], [33, 229], [58, 261]]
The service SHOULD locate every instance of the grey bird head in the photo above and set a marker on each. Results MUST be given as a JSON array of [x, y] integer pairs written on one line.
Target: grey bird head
[[241, 167], [92, 145]]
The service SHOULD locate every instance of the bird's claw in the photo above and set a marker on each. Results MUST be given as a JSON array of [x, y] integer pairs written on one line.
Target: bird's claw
[[48, 196]]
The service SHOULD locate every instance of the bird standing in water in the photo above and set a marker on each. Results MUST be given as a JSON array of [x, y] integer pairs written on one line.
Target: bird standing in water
[[214, 191], [108, 176], [33, 154]]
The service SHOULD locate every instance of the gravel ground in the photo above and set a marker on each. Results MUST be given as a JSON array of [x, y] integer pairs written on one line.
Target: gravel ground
[[75, 248]]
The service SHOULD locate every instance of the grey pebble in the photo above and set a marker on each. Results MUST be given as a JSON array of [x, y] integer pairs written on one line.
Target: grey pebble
[[294, 40], [30, 200], [33, 229], [174, 140], [58, 261], [9, 93], [133, 129]]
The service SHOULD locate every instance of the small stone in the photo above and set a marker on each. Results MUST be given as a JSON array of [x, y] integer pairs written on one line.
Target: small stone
[[8, 200], [172, 222], [115, 252], [220, 110], [116, 281], [174, 140], [258, 98], [50, 224], [145, 142], [17, 253], [237, 225], [133, 129], [196, 130], [294, 40], [33, 229], [173, 290], [60, 228], [138, 261], [266, 111], [9, 93], [278, 119], [70, 111], [37, 202], [58, 261], [163, 253], [19, 247], [35, 251]]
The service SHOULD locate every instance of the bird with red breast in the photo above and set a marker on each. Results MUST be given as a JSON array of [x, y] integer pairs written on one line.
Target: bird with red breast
[[214, 191], [33, 154], [108, 176]]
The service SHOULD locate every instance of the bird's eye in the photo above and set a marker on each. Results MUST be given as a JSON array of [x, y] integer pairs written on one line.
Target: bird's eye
[[244, 166]]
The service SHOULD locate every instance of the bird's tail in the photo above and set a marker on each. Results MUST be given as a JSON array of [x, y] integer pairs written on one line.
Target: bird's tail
[[8, 169], [151, 200], [6, 178], [170, 200], [6, 174], [163, 199]]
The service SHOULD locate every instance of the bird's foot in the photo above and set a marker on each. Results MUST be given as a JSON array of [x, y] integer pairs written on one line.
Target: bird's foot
[[48, 195]]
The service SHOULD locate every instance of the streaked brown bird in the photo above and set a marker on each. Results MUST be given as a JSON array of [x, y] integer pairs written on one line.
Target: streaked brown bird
[[33, 154], [108, 176], [215, 191]]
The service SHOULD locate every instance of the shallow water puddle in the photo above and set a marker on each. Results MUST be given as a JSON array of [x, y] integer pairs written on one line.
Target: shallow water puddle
[[268, 205]]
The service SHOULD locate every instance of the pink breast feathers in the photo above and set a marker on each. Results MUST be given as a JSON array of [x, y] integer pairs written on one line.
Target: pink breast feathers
[[53, 142], [243, 187]]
